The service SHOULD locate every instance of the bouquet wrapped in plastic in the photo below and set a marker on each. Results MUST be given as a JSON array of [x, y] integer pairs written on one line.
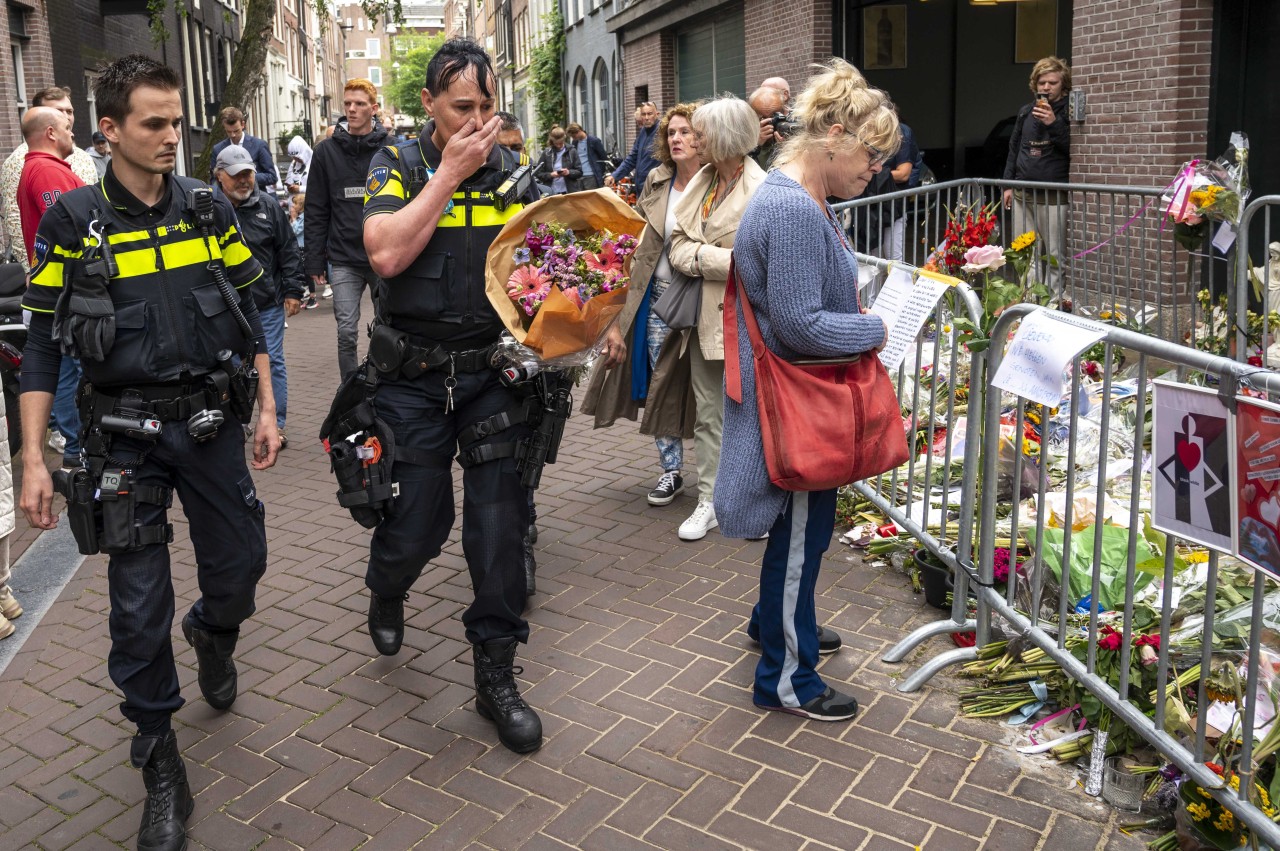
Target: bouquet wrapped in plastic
[[557, 274], [1207, 191]]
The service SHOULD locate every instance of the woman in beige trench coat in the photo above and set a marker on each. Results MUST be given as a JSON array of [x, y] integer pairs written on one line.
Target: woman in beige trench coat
[[701, 246], [656, 375]]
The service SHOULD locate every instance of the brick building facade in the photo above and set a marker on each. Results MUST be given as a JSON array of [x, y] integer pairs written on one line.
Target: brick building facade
[[1144, 68], [776, 39], [28, 67]]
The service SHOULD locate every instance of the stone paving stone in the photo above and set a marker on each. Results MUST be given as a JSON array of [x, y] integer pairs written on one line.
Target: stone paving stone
[[637, 660]]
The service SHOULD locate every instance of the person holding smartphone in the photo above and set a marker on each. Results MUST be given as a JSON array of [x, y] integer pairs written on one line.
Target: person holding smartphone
[[1040, 150], [558, 163]]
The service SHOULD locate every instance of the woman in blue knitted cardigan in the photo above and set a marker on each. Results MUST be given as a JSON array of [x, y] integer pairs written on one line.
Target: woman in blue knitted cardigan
[[796, 266]]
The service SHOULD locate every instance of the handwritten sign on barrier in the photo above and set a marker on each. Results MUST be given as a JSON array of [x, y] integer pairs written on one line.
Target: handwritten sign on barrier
[[905, 305], [1040, 351]]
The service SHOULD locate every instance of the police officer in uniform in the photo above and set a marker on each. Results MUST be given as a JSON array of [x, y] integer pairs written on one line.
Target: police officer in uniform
[[149, 284], [429, 218]]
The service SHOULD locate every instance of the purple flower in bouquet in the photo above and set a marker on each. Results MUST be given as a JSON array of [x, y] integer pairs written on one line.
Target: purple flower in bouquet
[[625, 245], [523, 255]]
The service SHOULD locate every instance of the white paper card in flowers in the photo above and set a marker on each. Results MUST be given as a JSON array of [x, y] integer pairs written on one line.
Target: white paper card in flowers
[[905, 305], [1044, 345]]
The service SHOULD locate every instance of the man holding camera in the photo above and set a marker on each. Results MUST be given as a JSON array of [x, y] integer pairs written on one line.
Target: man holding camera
[[145, 278], [770, 104], [431, 211], [1040, 150]]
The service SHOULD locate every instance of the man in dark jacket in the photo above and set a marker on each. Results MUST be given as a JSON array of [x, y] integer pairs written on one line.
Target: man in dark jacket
[[335, 203], [264, 168], [265, 228], [1040, 150], [590, 152], [641, 159], [558, 165]]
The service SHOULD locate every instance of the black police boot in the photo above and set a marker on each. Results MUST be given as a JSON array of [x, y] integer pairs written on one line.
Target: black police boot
[[497, 700], [386, 622], [530, 569], [169, 803], [217, 671]]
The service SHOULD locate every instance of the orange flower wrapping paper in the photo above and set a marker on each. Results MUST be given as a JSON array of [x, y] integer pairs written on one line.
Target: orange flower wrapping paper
[[561, 328]]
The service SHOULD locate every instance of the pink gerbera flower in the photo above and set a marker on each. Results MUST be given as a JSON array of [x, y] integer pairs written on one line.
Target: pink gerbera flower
[[606, 260], [526, 281]]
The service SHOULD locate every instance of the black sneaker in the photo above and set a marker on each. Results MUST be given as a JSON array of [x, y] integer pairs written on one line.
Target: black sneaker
[[670, 485], [831, 705], [829, 640]]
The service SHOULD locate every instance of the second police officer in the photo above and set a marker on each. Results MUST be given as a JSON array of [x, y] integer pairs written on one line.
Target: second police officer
[[429, 219], [145, 278]]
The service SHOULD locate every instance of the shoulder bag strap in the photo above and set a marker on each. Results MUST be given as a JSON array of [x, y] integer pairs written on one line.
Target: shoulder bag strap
[[732, 367]]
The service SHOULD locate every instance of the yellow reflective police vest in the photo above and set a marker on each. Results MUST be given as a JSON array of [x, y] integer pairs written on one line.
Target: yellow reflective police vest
[[170, 317], [441, 295]]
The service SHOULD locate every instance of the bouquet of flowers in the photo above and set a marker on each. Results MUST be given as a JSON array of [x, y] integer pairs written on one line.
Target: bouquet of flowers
[[554, 258], [557, 273], [968, 227], [1205, 191], [979, 264]]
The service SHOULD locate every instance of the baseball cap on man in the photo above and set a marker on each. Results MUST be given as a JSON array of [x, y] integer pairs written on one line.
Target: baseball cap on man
[[234, 159], [98, 136]]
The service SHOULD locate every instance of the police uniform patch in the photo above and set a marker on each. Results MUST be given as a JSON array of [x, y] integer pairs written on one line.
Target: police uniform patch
[[377, 179], [40, 248]]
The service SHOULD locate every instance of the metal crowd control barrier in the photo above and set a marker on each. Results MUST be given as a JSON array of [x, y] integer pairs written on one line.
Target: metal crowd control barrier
[[894, 493], [1022, 612], [1256, 218], [1113, 248]]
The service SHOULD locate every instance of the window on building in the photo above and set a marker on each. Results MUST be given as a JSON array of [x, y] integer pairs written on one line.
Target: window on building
[[600, 90], [373, 48], [360, 24], [17, 40], [375, 75], [19, 74], [711, 58], [90, 80], [581, 98]]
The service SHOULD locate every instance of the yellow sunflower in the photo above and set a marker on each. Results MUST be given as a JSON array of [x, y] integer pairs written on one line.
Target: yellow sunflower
[[1024, 241]]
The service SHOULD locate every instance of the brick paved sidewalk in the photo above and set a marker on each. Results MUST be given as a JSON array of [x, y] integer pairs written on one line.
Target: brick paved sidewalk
[[637, 663]]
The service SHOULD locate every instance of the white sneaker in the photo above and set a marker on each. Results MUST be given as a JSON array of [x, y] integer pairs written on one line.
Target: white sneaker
[[57, 442], [700, 521], [328, 292]]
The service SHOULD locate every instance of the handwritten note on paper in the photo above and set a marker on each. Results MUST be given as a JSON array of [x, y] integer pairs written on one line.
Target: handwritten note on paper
[[1040, 351], [905, 306]]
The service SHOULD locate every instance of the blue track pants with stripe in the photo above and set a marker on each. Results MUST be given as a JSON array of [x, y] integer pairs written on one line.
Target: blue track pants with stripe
[[785, 617]]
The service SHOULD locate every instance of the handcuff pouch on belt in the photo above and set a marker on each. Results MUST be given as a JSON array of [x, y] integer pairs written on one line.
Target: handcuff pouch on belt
[[361, 449], [393, 352]]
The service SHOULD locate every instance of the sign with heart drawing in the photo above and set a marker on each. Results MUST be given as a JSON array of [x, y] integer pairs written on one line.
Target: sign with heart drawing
[[1191, 488], [1256, 521]]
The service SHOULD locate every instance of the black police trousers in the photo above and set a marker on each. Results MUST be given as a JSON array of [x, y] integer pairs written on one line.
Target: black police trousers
[[229, 536], [495, 506]]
